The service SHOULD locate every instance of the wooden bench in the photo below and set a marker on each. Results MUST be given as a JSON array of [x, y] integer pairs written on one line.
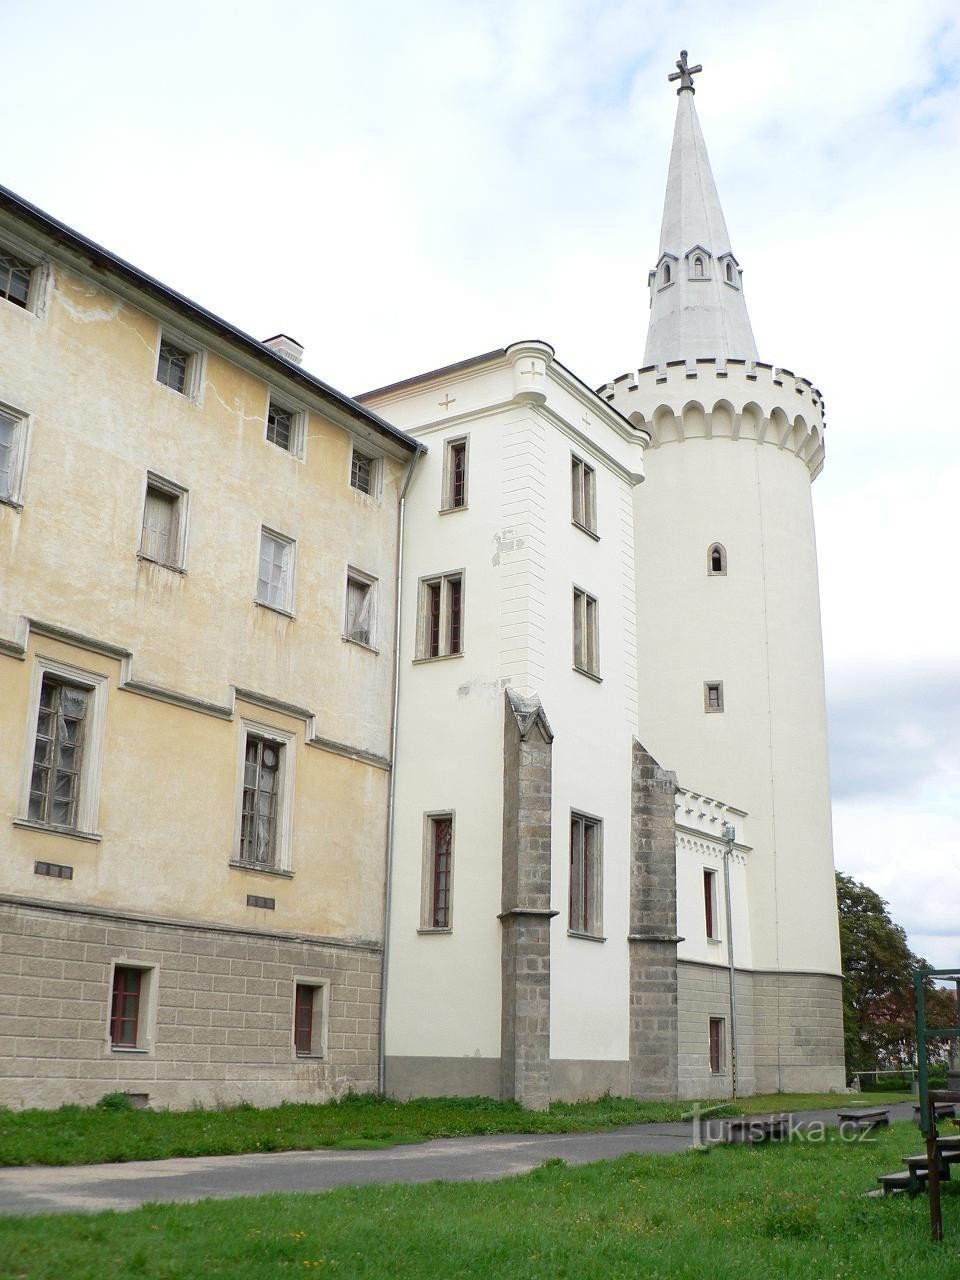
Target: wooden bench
[[755, 1129], [914, 1178], [865, 1118], [944, 1110]]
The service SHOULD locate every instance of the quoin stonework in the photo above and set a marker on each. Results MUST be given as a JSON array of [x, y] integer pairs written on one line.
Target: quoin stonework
[[465, 736]]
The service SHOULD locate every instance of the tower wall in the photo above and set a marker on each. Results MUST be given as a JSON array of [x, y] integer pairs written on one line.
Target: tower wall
[[732, 450]]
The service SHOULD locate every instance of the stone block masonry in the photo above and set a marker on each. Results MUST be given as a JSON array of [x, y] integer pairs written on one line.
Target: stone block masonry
[[216, 1019]]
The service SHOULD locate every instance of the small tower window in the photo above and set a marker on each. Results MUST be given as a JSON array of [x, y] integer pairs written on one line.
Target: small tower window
[[712, 696], [698, 268], [666, 273], [716, 561], [729, 273]]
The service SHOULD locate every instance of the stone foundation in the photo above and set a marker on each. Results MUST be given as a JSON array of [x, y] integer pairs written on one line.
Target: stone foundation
[[218, 1015]]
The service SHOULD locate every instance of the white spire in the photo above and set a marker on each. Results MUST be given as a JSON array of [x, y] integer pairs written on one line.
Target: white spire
[[697, 304]]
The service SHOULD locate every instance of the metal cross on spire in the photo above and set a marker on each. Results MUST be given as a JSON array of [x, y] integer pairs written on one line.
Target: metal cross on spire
[[684, 73]]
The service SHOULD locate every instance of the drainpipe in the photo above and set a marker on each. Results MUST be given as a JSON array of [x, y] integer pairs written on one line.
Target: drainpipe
[[729, 835], [392, 790]]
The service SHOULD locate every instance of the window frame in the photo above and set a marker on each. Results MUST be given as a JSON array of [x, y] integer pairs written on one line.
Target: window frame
[[585, 917], [285, 741], [290, 568], [298, 430], [711, 904], [91, 762], [717, 1038], [452, 594], [35, 304], [376, 472], [448, 495], [428, 873], [708, 686], [18, 455], [181, 496], [194, 370], [372, 585], [589, 632], [319, 1017], [583, 493], [722, 551], [144, 1038]]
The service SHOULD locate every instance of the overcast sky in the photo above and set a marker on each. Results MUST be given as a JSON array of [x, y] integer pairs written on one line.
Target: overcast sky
[[403, 185]]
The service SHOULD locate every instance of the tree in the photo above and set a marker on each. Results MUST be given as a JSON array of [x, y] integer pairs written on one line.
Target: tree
[[877, 965]]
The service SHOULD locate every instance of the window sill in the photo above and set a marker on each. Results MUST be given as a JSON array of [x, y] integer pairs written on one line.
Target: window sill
[[446, 511], [360, 644], [714, 942], [591, 533], [440, 657], [275, 608], [437, 929], [372, 498], [239, 865], [191, 397], [587, 937], [591, 675], [129, 1048], [9, 501], [162, 564], [28, 824]]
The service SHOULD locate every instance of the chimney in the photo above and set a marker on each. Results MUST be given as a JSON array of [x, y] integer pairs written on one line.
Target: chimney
[[283, 345]]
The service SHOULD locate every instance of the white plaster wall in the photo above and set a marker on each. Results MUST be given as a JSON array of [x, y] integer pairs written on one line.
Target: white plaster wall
[[758, 630]]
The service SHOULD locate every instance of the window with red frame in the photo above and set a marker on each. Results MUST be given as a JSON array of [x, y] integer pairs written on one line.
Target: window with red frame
[[710, 902], [440, 626], [125, 1007], [441, 845], [303, 1020], [716, 1045], [455, 475]]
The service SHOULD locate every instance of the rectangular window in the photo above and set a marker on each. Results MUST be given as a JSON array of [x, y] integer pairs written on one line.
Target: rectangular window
[[125, 1008], [440, 836], [175, 367], [584, 480], [440, 630], [360, 617], [15, 278], [586, 649], [13, 429], [308, 1020], [364, 472], [710, 903], [163, 536], [261, 801], [712, 695], [717, 1047], [58, 753], [585, 875], [275, 573], [454, 474], [279, 427]]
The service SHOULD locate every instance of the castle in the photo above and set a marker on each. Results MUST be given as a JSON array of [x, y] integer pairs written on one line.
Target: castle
[[464, 737]]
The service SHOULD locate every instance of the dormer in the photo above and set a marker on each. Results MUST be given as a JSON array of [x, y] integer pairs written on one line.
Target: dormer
[[730, 270], [666, 272], [699, 263]]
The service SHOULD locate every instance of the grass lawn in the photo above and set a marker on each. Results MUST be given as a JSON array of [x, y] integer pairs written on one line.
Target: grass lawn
[[91, 1135], [794, 1210]]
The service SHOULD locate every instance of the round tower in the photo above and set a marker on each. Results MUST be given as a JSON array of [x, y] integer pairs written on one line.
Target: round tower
[[731, 688]]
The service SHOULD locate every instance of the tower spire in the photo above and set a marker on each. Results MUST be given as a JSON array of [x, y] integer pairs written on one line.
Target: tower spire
[[696, 296]]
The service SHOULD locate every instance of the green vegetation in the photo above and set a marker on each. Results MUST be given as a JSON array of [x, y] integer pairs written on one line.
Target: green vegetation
[[111, 1131], [792, 1210]]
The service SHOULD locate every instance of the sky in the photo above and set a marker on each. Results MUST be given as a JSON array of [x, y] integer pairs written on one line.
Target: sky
[[402, 186]]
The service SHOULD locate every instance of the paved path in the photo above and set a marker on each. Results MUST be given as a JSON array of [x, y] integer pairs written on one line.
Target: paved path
[[91, 1188]]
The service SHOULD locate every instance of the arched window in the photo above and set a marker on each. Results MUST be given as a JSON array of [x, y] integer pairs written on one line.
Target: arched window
[[698, 268], [730, 273], [666, 273], [716, 561]]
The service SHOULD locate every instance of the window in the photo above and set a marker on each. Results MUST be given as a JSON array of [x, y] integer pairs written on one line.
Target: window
[[261, 793], [585, 643], [58, 753], [440, 622], [585, 875], [710, 903], [435, 911], [729, 270], [360, 619], [716, 561], [584, 480], [285, 428], [163, 536], [365, 473], [454, 474], [698, 268], [125, 1008], [176, 367], [666, 273], [275, 572], [717, 1046], [713, 695], [309, 1020], [15, 278], [13, 436]]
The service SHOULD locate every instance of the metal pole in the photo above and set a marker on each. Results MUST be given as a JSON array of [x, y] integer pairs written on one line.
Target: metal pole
[[729, 835]]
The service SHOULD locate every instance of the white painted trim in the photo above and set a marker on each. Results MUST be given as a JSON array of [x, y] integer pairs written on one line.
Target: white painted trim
[[358, 575], [298, 425], [286, 740], [287, 607], [153, 480], [18, 467], [196, 365]]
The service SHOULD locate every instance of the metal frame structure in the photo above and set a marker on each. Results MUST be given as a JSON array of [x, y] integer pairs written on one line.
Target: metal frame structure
[[929, 1098]]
